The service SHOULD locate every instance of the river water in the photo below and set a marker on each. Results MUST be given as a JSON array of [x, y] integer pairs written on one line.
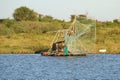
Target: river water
[[37, 67]]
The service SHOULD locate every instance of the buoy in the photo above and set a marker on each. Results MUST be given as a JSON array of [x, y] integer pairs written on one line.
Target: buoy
[[102, 50]]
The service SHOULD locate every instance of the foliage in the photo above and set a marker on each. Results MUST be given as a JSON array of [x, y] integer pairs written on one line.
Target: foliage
[[10, 27], [24, 13], [9, 23], [72, 18], [29, 33], [107, 36], [116, 21], [6, 31], [47, 19]]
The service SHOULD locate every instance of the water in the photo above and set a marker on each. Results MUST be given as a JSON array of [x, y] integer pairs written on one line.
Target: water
[[36, 67]]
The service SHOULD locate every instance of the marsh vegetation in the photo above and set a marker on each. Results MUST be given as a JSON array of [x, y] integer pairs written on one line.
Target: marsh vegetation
[[34, 34]]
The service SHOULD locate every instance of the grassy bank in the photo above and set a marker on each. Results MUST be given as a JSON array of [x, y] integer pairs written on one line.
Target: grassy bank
[[30, 37], [25, 43], [108, 37]]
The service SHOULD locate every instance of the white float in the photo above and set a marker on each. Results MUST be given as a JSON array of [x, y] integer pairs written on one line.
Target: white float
[[102, 50]]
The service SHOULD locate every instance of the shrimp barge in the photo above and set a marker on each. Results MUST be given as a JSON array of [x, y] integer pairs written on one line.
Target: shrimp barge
[[59, 49], [78, 40]]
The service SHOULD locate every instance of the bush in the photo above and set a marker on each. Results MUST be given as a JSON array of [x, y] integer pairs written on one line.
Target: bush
[[9, 23], [6, 31]]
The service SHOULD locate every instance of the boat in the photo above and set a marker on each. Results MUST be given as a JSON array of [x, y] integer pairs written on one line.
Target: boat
[[78, 40]]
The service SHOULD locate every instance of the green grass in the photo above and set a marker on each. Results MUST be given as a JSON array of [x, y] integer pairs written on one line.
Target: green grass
[[108, 38], [30, 37], [25, 43]]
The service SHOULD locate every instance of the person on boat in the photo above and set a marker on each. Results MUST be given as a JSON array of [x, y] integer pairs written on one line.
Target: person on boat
[[65, 50]]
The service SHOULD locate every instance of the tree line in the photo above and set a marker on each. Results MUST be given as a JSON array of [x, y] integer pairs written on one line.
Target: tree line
[[25, 14], [28, 21]]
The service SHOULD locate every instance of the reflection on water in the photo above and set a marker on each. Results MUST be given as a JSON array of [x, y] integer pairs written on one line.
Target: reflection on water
[[36, 67]]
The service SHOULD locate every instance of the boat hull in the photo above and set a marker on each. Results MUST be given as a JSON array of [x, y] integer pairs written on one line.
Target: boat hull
[[60, 54]]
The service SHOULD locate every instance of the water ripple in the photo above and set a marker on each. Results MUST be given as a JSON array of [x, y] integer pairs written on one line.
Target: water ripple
[[36, 67]]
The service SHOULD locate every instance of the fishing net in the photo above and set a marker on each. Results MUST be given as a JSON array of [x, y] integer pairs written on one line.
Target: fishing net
[[78, 39], [81, 36]]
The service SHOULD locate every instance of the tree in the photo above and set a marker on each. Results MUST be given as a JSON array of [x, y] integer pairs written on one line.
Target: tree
[[47, 18], [24, 13], [40, 16], [116, 21], [72, 18]]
